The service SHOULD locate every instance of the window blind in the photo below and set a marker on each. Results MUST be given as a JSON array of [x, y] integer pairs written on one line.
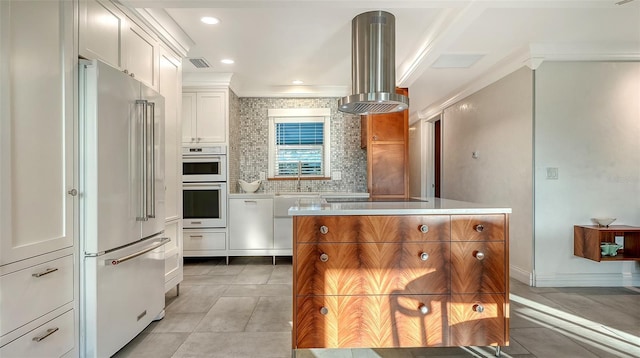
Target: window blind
[[299, 144]]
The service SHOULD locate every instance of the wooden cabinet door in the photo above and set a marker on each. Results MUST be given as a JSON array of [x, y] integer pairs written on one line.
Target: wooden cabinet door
[[211, 116], [372, 268], [387, 127], [101, 32], [387, 167], [37, 125], [371, 321], [478, 266], [140, 54], [478, 320]]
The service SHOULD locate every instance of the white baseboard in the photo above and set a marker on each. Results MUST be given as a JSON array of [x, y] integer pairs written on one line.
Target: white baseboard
[[521, 275], [627, 279]]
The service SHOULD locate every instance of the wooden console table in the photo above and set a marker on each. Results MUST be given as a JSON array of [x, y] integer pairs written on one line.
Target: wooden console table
[[587, 239]]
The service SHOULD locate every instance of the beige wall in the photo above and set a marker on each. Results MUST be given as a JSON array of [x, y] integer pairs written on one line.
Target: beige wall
[[497, 123], [588, 126]]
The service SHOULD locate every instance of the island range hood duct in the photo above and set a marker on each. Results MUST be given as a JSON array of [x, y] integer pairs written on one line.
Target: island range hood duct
[[373, 68]]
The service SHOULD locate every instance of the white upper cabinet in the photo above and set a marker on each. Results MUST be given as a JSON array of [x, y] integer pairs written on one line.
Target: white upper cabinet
[[36, 128], [107, 34], [140, 54], [204, 117]]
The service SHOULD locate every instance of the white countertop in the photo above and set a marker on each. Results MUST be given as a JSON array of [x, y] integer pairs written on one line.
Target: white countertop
[[425, 207]]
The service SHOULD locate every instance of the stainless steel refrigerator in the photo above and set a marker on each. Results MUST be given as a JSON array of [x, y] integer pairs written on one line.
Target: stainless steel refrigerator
[[121, 133]]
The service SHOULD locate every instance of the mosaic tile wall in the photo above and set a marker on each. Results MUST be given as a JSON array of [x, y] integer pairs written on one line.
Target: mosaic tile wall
[[233, 154], [248, 138]]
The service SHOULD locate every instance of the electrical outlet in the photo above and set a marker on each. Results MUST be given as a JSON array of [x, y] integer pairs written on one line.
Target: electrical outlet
[[263, 176], [336, 175], [552, 173]]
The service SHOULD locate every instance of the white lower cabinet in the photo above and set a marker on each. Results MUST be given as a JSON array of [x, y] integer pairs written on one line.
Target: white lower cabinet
[[250, 224], [283, 233], [204, 242], [173, 273], [52, 339]]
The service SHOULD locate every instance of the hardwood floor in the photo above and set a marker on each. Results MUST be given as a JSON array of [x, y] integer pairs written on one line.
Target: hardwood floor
[[244, 310]]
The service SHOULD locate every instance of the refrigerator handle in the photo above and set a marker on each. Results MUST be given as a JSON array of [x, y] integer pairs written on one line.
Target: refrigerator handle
[[142, 118], [151, 210], [114, 262]]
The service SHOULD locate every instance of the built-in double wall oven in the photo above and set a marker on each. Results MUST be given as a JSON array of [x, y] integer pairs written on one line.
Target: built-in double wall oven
[[204, 187]]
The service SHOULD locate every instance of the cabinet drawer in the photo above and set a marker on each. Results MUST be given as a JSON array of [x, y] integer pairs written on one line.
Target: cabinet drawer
[[203, 240], [372, 268], [52, 339], [371, 321], [472, 325], [372, 228], [32, 292], [478, 266], [477, 227]]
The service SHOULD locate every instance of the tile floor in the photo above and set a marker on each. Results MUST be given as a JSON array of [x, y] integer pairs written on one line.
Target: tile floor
[[244, 309]]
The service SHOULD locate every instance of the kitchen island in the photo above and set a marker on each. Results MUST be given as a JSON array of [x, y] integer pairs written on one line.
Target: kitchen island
[[413, 273]]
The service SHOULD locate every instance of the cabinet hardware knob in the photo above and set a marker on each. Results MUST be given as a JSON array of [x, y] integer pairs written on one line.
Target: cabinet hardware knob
[[133, 75], [479, 255], [193, 139], [324, 257], [375, 137], [423, 309], [424, 256], [126, 71], [45, 272], [49, 332], [324, 230], [324, 311], [73, 192], [479, 228], [424, 229], [478, 308], [198, 139]]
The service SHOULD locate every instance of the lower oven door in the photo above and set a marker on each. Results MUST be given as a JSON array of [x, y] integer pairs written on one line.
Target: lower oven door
[[204, 205]]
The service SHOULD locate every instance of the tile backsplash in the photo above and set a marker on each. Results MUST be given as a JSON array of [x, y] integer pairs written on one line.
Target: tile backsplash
[[248, 145]]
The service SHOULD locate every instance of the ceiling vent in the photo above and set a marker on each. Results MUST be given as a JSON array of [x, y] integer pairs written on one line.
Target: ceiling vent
[[373, 67], [199, 62]]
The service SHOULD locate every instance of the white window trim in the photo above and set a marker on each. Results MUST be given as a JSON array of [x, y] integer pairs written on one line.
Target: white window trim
[[300, 115]]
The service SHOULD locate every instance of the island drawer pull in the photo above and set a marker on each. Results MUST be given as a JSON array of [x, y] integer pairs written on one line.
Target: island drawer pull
[[324, 257], [423, 309], [479, 228], [478, 308], [324, 230], [479, 255], [324, 311], [424, 229], [424, 256]]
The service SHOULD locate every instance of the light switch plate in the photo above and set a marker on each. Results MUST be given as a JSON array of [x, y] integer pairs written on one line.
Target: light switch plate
[[336, 175]]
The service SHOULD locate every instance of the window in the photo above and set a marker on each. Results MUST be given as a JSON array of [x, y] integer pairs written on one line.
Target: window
[[299, 143]]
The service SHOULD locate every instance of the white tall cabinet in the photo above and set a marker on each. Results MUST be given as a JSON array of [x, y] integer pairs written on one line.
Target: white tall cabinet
[[171, 88], [38, 197]]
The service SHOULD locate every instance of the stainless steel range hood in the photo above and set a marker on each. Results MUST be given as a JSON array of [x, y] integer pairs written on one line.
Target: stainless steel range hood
[[373, 67]]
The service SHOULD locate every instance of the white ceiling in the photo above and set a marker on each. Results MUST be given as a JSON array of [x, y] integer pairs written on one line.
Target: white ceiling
[[274, 42]]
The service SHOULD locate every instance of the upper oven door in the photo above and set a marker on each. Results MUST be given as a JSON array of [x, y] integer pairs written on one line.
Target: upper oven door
[[204, 168]]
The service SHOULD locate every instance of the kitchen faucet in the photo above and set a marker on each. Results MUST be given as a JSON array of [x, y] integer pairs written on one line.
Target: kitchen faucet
[[299, 173]]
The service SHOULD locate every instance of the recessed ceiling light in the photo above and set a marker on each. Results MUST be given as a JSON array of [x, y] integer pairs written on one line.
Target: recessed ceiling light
[[209, 20], [227, 61], [297, 82]]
